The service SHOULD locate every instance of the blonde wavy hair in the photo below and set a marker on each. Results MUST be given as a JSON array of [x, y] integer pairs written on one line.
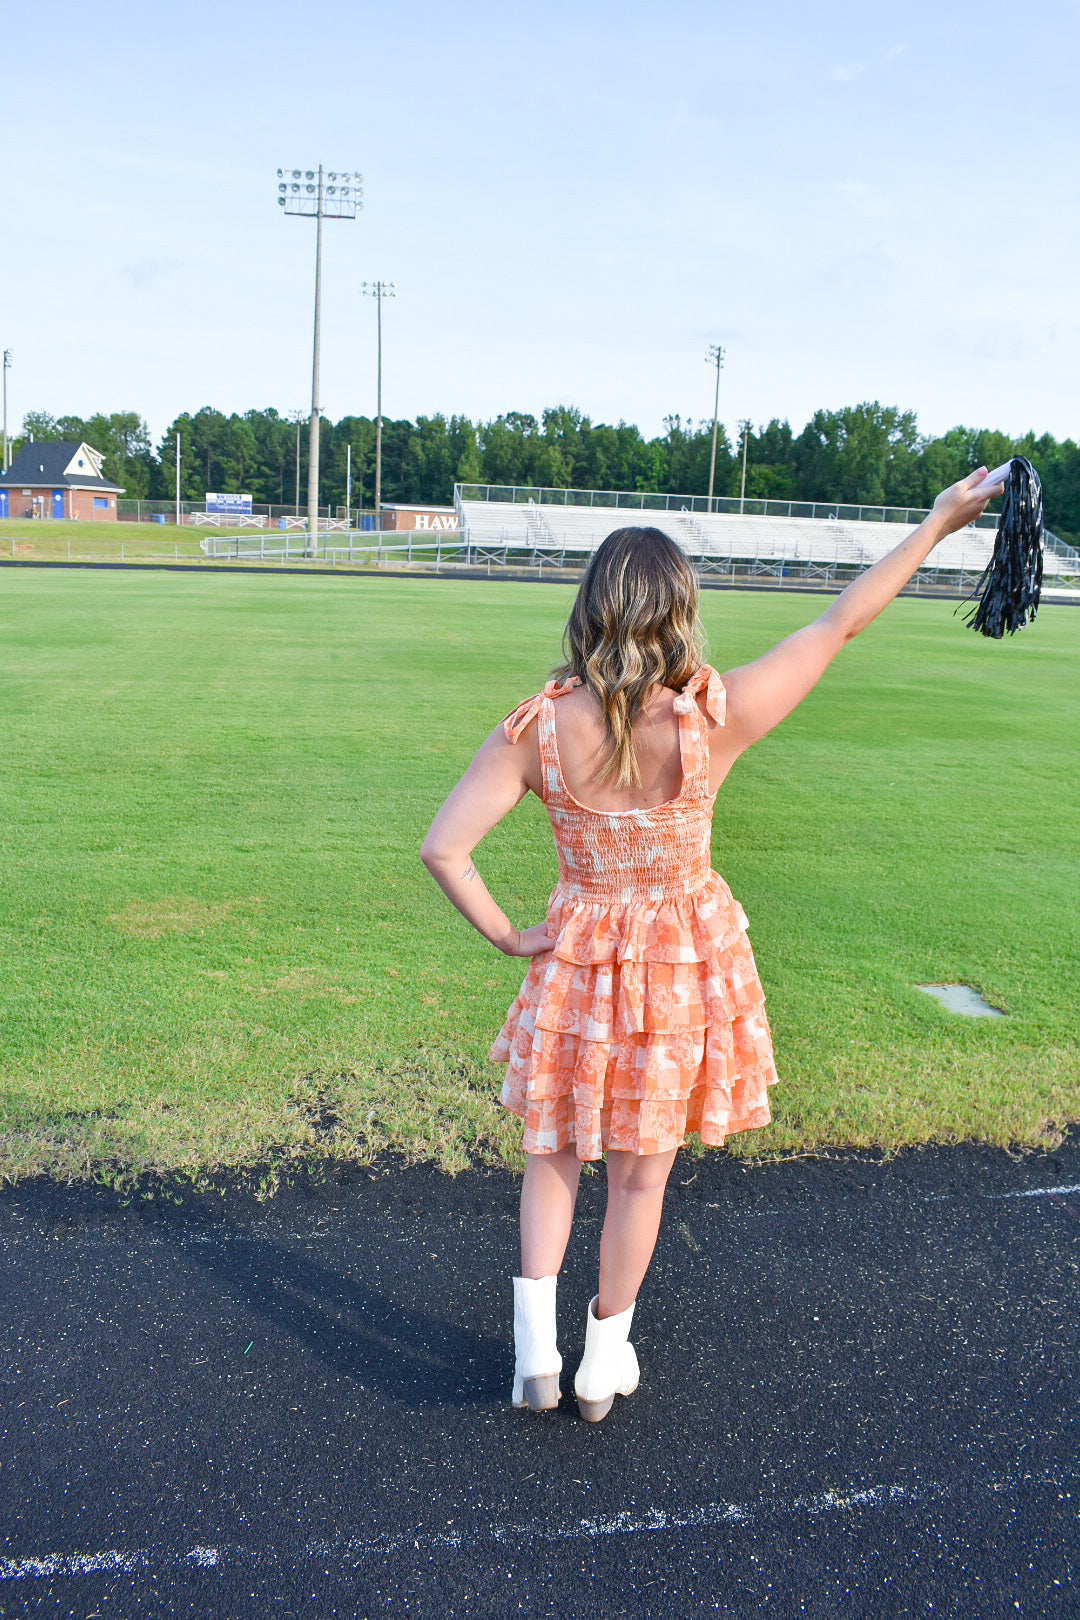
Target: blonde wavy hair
[[634, 624]]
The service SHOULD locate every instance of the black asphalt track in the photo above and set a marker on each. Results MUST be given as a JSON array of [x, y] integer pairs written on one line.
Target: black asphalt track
[[858, 1399]]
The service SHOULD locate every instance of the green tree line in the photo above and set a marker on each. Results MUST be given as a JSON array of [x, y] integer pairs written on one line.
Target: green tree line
[[871, 454]]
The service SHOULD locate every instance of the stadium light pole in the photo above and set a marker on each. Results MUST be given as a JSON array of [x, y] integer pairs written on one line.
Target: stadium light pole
[[745, 441], [318, 195], [714, 356], [378, 290], [7, 368]]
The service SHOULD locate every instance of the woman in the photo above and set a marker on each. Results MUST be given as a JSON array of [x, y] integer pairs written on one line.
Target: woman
[[641, 1017]]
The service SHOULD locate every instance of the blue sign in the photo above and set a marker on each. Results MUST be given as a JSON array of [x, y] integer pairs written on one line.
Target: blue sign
[[238, 505]]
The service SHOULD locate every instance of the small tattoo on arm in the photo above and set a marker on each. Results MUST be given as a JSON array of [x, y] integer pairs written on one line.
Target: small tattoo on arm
[[469, 873]]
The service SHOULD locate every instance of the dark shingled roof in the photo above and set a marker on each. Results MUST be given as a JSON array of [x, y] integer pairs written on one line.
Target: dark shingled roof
[[44, 463]]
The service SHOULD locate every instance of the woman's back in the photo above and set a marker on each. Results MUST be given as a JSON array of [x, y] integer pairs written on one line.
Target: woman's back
[[579, 728], [582, 746], [643, 844]]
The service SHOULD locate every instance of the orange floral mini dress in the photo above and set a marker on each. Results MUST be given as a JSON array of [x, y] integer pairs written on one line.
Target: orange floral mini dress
[[646, 1019]]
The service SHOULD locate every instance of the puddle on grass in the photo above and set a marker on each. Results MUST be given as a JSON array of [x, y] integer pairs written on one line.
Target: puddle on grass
[[961, 998]]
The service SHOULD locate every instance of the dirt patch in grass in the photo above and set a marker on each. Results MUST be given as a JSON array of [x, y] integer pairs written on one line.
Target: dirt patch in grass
[[153, 919], [305, 983]]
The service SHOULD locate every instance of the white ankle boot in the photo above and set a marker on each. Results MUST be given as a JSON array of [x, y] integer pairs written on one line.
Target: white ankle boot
[[609, 1366], [537, 1362]]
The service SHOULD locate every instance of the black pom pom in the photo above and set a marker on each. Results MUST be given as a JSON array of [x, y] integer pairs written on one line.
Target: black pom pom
[[1012, 580]]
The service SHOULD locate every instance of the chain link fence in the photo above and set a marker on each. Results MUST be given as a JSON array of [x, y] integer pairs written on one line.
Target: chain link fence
[[193, 514]]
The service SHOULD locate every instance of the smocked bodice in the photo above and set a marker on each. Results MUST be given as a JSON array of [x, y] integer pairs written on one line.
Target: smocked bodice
[[620, 856]]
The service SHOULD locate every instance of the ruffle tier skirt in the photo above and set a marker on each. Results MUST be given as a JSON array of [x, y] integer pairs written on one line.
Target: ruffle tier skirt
[[644, 1022]]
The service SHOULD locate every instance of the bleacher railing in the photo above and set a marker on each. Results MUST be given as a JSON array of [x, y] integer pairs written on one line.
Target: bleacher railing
[[731, 505]]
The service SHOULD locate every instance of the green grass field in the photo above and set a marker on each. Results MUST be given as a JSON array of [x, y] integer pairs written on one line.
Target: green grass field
[[47, 540], [220, 948]]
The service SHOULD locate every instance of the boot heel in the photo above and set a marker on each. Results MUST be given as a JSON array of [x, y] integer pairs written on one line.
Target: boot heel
[[593, 1411], [541, 1394]]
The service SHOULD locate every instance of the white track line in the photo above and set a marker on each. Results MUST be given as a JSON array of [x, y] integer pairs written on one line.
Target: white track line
[[1038, 1192], [1028, 1192], [346, 1553], [105, 1563]]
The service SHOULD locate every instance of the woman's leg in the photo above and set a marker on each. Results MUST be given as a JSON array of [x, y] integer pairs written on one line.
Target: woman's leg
[[635, 1198], [548, 1196]]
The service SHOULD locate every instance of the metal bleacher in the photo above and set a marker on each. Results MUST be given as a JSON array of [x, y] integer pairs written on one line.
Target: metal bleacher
[[813, 540]]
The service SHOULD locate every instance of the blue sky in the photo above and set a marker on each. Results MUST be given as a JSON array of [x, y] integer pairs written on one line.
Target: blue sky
[[858, 201]]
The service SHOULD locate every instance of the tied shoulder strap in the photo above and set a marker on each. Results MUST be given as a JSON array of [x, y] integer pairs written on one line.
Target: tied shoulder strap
[[525, 713], [715, 694], [693, 727]]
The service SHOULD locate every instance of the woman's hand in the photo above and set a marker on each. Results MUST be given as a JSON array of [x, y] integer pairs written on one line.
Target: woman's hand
[[530, 941], [956, 506]]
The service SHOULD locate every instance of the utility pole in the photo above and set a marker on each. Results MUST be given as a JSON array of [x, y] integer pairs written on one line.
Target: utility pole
[[745, 441], [304, 192], [178, 480], [7, 368], [348, 485], [378, 290], [714, 356]]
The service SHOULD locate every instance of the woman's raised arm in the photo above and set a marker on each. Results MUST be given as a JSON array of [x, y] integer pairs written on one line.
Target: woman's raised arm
[[761, 694]]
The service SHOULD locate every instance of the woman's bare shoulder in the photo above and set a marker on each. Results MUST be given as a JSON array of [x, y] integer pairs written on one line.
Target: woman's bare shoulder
[[581, 701]]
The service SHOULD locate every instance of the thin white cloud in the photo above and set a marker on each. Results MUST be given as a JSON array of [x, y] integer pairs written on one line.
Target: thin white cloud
[[149, 271], [858, 277], [868, 199]]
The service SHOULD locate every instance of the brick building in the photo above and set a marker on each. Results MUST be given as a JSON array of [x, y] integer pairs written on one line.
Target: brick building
[[429, 519], [57, 481]]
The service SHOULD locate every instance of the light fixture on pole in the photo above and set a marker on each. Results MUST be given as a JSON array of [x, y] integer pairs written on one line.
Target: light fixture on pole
[[714, 356], [745, 441], [318, 195], [378, 290], [7, 368]]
